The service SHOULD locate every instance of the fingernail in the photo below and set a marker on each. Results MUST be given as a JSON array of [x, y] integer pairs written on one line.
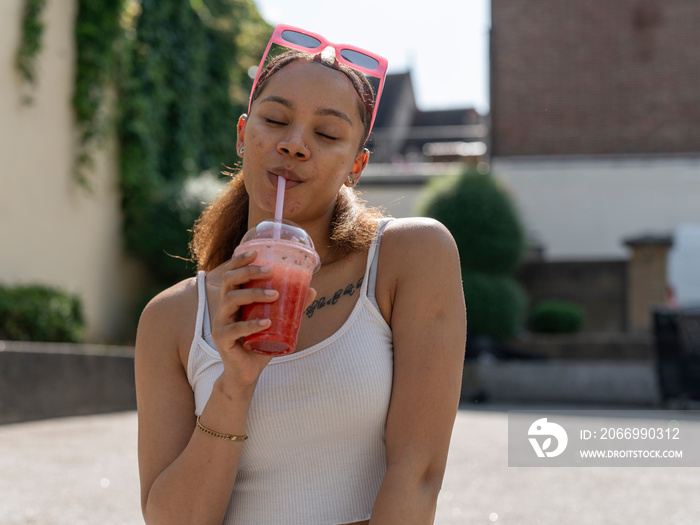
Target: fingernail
[[249, 254], [270, 293], [264, 322], [265, 269]]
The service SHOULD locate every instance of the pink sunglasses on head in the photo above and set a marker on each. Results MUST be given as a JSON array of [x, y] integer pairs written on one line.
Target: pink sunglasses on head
[[353, 57]]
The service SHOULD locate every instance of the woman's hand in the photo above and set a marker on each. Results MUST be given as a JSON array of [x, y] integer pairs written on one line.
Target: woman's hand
[[241, 367]]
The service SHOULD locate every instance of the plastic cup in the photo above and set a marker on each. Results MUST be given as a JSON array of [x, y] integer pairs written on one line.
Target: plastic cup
[[289, 251]]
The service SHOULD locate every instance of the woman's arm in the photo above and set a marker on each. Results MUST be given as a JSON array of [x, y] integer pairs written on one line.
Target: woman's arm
[[420, 265], [187, 476]]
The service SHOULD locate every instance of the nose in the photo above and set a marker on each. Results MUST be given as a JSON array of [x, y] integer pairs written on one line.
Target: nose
[[293, 144]]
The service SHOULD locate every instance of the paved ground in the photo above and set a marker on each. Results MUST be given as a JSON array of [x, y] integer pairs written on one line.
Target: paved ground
[[82, 471]]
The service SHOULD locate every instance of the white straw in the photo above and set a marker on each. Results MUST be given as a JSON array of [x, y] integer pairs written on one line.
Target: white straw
[[279, 205]]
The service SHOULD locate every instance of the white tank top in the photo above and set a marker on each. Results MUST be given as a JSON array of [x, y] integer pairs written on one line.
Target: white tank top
[[316, 449]]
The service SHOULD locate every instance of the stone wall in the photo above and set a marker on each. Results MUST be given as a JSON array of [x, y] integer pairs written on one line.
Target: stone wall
[[599, 286], [612, 383], [46, 380]]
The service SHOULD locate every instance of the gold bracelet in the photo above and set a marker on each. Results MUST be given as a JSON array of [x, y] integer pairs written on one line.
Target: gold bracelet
[[220, 436]]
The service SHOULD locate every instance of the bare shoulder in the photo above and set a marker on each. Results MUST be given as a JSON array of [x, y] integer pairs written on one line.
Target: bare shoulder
[[414, 241], [172, 304], [418, 261], [168, 319]]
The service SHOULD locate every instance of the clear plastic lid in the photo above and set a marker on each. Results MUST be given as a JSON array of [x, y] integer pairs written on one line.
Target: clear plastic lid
[[284, 230]]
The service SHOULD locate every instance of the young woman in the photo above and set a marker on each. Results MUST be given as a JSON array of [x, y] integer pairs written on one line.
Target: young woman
[[354, 426]]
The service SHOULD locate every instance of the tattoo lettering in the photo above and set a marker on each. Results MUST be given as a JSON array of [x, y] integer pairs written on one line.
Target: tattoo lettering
[[322, 302]]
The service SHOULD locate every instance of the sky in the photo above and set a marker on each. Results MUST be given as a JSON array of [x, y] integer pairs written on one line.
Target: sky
[[443, 43]]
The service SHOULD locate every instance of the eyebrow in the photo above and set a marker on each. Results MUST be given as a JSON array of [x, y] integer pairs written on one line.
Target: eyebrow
[[321, 111], [333, 113]]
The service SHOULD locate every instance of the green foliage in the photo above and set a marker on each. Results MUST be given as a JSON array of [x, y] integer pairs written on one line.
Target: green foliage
[[180, 69], [491, 241], [97, 34], [39, 313], [181, 92], [482, 218], [163, 237], [30, 45], [554, 316], [495, 305]]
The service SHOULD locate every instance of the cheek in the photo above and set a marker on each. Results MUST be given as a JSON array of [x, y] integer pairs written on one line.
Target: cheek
[[341, 169], [335, 176], [253, 148], [257, 143], [253, 137], [342, 166]]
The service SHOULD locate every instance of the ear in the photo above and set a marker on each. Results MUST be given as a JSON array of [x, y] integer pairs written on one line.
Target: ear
[[240, 131], [360, 164]]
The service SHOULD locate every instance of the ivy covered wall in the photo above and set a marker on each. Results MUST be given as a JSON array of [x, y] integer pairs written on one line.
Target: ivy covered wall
[[130, 103], [182, 84]]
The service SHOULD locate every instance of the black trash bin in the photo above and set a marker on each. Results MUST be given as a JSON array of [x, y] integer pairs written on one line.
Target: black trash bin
[[677, 346]]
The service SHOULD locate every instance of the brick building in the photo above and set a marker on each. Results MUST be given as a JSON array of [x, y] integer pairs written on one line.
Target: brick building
[[591, 77], [595, 113]]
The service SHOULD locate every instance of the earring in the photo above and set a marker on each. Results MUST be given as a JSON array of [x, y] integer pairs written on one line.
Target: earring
[[241, 150], [351, 182]]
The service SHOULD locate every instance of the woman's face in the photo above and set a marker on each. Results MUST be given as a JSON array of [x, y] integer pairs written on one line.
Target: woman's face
[[306, 126]]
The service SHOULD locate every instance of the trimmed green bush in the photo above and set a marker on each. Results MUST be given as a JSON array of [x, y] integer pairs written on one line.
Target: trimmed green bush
[[554, 316], [482, 218], [485, 224], [495, 305], [40, 313]]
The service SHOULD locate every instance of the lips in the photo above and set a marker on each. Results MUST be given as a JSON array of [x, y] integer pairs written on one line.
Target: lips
[[291, 178]]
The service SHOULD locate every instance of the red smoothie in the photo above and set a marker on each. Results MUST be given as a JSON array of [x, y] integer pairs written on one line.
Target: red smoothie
[[293, 267]]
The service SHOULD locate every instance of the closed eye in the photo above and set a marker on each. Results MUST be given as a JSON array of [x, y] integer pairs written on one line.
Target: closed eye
[[276, 122], [329, 137]]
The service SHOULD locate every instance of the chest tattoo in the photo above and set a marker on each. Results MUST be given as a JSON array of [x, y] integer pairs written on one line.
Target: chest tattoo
[[322, 302]]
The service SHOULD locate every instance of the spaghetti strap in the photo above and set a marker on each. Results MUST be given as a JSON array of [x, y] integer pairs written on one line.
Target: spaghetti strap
[[373, 262], [202, 310]]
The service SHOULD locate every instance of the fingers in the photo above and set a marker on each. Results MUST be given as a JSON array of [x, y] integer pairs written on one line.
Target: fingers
[[310, 296], [240, 260], [234, 299], [239, 270], [233, 332]]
